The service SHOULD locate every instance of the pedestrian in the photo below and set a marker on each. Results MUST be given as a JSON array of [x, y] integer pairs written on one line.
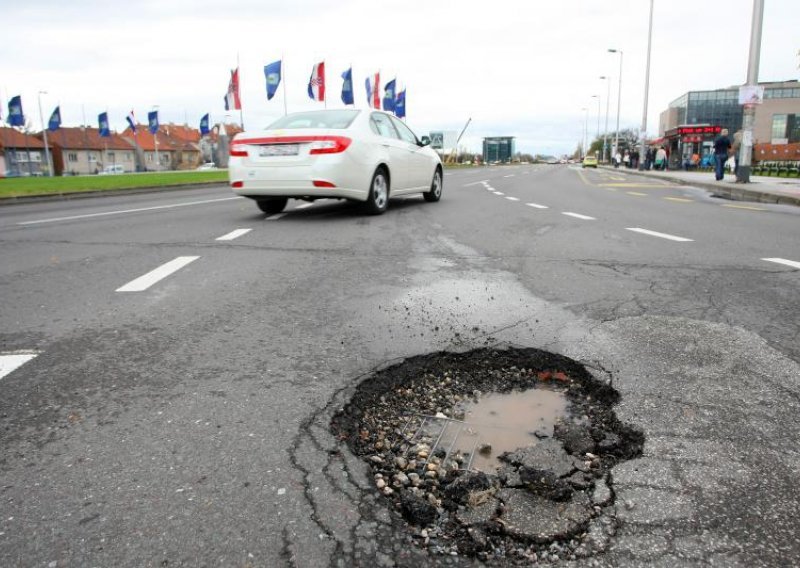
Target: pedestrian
[[617, 159], [661, 158], [626, 159], [649, 156], [635, 159], [737, 143], [722, 146]]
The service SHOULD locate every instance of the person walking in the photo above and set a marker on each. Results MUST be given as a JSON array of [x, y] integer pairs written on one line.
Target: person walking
[[737, 143], [626, 159], [617, 159], [661, 159], [722, 146]]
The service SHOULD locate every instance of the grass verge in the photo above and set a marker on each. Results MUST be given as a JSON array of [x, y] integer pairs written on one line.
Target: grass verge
[[28, 186]]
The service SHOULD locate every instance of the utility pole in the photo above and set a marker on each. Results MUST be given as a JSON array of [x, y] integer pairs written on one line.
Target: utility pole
[[619, 98], [643, 132], [605, 132], [749, 113], [44, 132]]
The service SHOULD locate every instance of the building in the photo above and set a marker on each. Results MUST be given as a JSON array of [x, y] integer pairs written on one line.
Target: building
[[82, 151], [21, 154], [164, 151], [498, 149], [777, 119]]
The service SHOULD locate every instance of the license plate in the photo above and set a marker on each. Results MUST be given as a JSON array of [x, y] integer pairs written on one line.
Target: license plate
[[278, 150]]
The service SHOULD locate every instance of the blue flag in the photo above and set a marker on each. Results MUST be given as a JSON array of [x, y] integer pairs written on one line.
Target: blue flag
[[102, 121], [152, 121], [272, 72], [55, 120], [389, 95], [400, 104], [204, 125], [368, 85], [15, 116], [347, 87]]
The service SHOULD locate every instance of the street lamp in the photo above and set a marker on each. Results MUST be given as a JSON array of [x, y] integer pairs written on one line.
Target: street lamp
[[748, 115], [619, 97], [605, 132], [643, 134], [44, 131], [598, 113]]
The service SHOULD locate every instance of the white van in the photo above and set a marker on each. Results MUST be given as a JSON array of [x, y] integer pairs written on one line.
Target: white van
[[113, 169]]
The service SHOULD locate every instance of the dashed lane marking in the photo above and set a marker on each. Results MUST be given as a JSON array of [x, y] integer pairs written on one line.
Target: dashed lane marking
[[748, 207], [144, 282], [123, 211], [11, 360], [509, 176], [537, 206], [636, 193], [792, 263], [276, 216], [659, 235], [578, 216], [475, 183], [499, 193], [512, 198], [679, 199], [233, 235]]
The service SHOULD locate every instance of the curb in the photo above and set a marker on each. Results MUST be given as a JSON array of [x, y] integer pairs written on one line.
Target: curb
[[22, 200], [725, 191]]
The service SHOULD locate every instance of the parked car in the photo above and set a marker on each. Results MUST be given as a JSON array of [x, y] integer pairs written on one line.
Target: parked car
[[207, 166], [590, 161], [361, 155], [113, 170]]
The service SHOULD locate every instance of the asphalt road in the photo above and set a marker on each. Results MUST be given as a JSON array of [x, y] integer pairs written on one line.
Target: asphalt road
[[183, 420]]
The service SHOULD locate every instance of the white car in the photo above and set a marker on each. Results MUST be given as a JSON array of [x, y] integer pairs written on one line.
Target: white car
[[207, 166], [361, 155]]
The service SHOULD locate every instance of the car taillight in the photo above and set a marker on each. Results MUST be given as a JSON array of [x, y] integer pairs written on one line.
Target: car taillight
[[328, 144], [238, 150], [322, 183], [237, 184]]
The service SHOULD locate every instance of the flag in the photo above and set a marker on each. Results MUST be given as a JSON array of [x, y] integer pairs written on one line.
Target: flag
[[204, 125], [15, 116], [102, 121], [131, 121], [152, 121], [347, 87], [272, 72], [400, 104], [373, 91], [55, 120], [316, 83], [232, 100], [388, 96]]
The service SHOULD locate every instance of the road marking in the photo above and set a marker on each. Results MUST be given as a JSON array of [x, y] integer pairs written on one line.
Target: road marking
[[275, 217], [512, 198], [11, 360], [636, 193], [583, 178], [679, 199], [748, 207], [475, 183], [631, 184], [304, 205], [536, 206], [509, 176], [123, 211], [144, 282], [233, 235], [616, 178], [791, 263], [499, 193], [578, 216], [657, 234]]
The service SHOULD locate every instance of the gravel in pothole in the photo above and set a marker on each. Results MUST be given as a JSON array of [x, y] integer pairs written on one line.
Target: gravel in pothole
[[501, 455]]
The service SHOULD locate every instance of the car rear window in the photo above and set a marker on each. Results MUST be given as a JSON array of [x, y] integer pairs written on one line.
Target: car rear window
[[336, 119]]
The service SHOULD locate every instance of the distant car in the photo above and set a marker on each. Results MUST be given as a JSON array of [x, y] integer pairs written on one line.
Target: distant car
[[360, 155], [207, 166], [552, 161], [590, 161], [113, 170]]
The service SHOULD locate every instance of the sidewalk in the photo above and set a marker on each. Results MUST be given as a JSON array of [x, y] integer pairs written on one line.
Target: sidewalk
[[763, 189]]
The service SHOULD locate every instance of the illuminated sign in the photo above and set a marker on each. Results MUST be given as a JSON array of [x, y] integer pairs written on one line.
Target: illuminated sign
[[682, 130]]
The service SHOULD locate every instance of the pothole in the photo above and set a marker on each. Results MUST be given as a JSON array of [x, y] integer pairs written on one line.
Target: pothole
[[501, 455]]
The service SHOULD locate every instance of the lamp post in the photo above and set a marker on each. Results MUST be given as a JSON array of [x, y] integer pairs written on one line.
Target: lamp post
[[748, 115], [643, 133], [605, 132], [619, 98], [44, 131], [598, 114]]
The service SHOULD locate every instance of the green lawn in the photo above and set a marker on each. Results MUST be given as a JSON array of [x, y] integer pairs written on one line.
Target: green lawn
[[20, 187]]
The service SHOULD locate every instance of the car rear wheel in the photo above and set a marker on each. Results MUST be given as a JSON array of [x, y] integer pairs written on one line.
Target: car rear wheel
[[272, 206], [435, 194], [378, 198]]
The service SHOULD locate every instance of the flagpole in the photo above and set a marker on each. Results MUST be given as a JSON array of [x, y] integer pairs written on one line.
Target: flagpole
[[325, 98], [239, 88], [283, 78]]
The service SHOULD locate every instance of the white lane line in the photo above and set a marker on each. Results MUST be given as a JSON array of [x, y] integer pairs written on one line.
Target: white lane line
[[499, 193], [275, 217], [304, 205], [123, 211], [489, 188], [11, 360], [660, 235], [578, 216], [792, 263], [509, 176], [475, 183], [536, 206], [144, 282], [512, 198], [233, 235]]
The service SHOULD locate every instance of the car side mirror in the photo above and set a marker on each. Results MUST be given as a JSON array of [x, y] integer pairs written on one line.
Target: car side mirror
[[424, 141]]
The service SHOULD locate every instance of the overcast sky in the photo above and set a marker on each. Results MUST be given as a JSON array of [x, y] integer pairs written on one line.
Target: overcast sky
[[518, 68]]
